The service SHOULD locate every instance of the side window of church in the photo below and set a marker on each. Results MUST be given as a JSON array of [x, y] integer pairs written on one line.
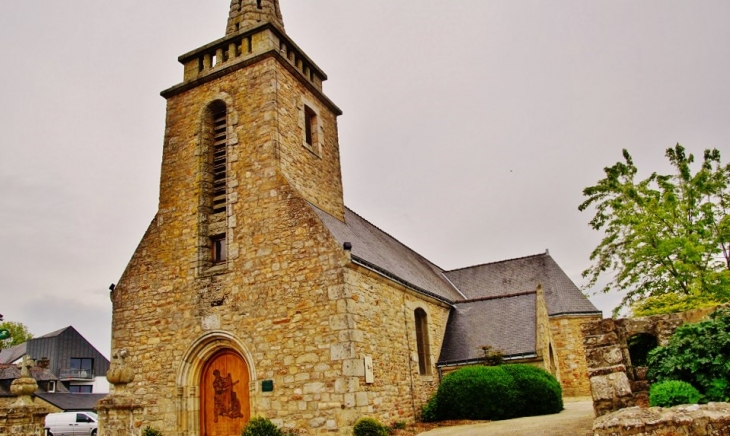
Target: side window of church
[[424, 352]]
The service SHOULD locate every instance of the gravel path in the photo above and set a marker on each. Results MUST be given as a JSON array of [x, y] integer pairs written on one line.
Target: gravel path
[[575, 420]]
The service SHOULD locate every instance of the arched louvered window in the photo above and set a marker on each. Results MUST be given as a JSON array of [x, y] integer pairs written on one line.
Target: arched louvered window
[[218, 158], [424, 348], [214, 202]]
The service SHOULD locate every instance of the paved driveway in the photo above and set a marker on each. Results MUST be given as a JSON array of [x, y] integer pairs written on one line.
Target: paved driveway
[[576, 419]]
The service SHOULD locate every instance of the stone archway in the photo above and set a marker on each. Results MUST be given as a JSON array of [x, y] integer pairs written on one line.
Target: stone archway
[[224, 395], [201, 359]]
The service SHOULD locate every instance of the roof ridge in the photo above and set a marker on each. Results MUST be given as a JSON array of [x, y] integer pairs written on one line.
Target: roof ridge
[[546, 253], [396, 240]]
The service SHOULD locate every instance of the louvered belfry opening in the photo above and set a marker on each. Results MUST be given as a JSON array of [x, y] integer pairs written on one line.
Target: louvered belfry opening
[[220, 143]]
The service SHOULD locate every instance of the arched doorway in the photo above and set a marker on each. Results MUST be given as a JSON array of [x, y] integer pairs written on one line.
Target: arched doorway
[[224, 395]]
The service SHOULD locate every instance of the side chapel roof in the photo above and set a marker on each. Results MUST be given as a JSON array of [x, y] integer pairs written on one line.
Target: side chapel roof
[[493, 304]]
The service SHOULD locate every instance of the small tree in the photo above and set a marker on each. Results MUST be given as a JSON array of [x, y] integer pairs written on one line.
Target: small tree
[[667, 234], [18, 334]]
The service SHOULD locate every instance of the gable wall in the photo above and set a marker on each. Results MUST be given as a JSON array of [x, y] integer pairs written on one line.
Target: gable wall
[[383, 320], [571, 357]]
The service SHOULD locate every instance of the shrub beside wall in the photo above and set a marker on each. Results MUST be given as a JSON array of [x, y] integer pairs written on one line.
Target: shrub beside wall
[[494, 393]]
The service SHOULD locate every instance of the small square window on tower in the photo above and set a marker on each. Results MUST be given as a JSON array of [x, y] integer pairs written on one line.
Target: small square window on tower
[[218, 245]]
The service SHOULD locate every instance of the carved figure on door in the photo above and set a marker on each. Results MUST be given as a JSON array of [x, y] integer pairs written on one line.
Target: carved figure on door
[[225, 400]]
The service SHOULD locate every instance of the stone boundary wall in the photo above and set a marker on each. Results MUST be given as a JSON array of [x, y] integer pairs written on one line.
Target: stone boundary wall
[[26, 420], [711, 419], [615, 382]]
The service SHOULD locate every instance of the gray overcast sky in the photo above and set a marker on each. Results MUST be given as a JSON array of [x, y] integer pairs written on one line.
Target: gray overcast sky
[[470, 127]]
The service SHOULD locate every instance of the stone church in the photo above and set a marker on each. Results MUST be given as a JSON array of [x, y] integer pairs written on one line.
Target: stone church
[[256, 292]]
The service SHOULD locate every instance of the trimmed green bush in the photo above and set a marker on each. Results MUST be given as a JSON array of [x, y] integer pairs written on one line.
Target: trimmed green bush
[[673, 393], [369, 427], [698, 354], [429, 412], [494, 393], [540, 392], [263, 427]]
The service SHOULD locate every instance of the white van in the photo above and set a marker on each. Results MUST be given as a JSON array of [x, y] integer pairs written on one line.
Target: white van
[[72, 424]]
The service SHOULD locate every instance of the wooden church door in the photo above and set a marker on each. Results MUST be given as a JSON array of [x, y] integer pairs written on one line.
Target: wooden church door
[[224, 401]]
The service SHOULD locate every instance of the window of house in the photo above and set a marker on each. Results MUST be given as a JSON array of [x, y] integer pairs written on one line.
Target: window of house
[[219, 253], [52, 386], [424, 352], [82, 363], [80, 389]]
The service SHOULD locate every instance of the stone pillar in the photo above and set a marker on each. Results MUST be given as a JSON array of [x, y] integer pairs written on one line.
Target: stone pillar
[[120, 413], [23, 417], [610, 385]]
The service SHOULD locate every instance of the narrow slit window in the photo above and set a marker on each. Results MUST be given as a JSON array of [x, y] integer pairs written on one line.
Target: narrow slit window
[[258, 4], [219, 251], [310, 126], [422, 343]]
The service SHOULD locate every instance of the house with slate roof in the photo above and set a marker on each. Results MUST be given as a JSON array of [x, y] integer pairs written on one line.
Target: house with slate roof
[[77, 364], [256, 292]]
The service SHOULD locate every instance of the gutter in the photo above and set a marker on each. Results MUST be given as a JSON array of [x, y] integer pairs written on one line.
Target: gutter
[[450, 363]]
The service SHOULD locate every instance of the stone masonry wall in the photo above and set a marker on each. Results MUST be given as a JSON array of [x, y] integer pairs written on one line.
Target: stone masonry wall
[[383, 315], [22, 420], [707, 420], [568, 345]]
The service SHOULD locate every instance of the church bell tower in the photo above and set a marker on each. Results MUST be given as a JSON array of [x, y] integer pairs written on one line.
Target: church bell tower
[[235, 273]]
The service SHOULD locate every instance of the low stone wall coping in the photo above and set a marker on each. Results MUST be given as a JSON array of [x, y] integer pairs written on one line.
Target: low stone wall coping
[[711, 419]]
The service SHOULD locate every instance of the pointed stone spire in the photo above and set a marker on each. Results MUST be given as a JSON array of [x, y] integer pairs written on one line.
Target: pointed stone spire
[[246, 14]]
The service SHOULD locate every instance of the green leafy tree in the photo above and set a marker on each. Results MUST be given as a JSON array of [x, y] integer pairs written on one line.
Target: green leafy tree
[[666, 234], [18, 334]]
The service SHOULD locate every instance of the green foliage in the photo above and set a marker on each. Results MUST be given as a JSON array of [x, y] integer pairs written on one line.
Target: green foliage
[[639, 348], [429, 412], [493, 393], [698, 354], [259, 426], [666, 234], [672, 303], [149, 431], [398, 425], [18, 334], [540, 392], [673, 393], [369, 427]]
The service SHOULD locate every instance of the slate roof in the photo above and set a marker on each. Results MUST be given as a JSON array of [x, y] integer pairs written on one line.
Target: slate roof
[[387, 254], [10, 355], [522, 275], [506, 324], [72, 402], [8, 373], [493, 304]]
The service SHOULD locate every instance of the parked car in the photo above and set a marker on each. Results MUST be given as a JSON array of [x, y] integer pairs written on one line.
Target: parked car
[[72, 424]]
